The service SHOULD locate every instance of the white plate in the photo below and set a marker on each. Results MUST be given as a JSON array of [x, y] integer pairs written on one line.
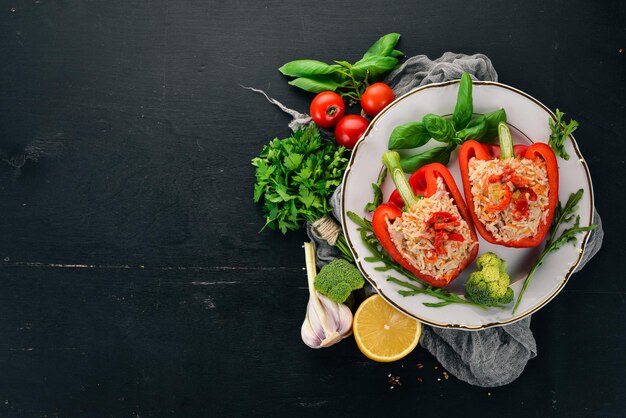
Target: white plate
[[529, 121]]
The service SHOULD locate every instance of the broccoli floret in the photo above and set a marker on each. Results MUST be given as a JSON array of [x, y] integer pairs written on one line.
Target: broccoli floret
[[490, 284], [338, 279], [490, 259]]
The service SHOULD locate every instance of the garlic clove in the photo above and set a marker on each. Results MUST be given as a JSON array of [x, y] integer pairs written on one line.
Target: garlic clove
[[338, 323], [326, 322], [309, 336], [339, 315]]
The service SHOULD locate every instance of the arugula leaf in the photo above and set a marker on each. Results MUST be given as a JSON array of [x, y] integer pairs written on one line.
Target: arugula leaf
[[378, 193], [295, 177], [562, 215], [560, 132], [409, 135], [384, 46], [464, 104]]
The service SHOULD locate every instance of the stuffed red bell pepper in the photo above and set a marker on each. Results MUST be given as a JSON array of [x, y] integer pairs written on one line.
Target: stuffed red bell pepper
[[433, 237], [511, 194]]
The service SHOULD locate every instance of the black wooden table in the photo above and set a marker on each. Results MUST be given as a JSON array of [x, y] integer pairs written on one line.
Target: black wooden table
[[133, 279]]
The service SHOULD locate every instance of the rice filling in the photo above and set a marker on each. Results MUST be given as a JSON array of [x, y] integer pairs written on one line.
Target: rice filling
[[415, 237], [511, 196]]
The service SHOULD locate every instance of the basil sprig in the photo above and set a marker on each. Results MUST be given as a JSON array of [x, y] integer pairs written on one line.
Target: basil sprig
[[462, 126], [464, 104], [348, 79]]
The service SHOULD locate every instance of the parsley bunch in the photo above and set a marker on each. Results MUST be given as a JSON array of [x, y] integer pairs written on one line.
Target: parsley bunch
[[295, 177]]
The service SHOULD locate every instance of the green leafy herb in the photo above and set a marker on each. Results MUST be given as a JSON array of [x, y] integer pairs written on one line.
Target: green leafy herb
[[378, 193], [475, 129], [295, 177], [409, 135], [384, 46], [560, 132], [447, 297], [349, 80], [462, 127], [492, 119], [439, 128], [374, 66], [434, 155], [315, 84], [380, 255], [464, 103], [562, 216], [307, 68]]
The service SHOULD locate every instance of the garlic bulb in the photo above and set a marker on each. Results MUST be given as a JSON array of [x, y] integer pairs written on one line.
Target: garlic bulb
[[326, 322]]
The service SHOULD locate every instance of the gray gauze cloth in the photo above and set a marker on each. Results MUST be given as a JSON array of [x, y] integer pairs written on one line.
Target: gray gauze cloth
[[487, 358]]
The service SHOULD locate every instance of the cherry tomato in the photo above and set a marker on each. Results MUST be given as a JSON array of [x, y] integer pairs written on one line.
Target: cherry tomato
[[376, 97], [349, 129], [327, 108]]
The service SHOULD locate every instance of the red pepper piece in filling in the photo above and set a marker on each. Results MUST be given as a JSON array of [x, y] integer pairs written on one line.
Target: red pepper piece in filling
[[442, 236], [441, 217], [538, 151], [443, 221], [501, 204], [424, 183], [528, 193]]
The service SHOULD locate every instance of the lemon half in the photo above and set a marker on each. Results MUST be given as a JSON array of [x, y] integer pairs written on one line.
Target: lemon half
[[383, 333]]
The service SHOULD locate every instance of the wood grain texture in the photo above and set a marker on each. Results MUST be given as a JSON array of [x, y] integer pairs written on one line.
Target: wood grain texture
[[134, 280]]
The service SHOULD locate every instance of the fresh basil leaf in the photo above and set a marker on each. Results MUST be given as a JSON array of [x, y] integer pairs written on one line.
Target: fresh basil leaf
[[408, 135], [373, 66], [493, 119], [315, 85], [475, 130], [440, 128], [436, 155], [464, 105], [384, 46], [344, 64], [306, 68], [396, 54]]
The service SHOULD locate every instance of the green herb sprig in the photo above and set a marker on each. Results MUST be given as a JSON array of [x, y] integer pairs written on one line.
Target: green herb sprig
[[447, 298], [349, 80], [380, 255], [295, 177], [378, 192], [452, 132], [562, 216], [560, 132]]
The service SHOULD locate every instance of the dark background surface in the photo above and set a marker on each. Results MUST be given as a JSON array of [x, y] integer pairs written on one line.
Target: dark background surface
[[134, 281]]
